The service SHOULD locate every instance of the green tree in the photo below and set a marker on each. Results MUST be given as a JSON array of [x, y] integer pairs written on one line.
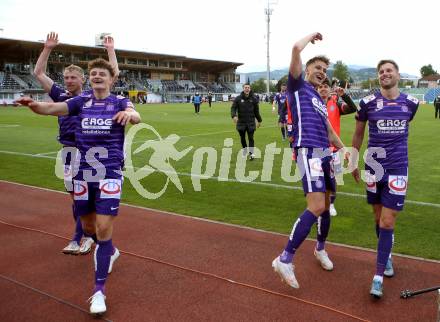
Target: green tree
[[341, 71], [427, 70], [370, 83], [259, 86]]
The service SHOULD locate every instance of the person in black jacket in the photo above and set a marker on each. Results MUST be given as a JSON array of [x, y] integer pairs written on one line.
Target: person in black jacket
[[437, 106], [244, 111]]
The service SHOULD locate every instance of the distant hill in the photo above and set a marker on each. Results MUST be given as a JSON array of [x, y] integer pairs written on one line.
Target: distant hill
[[358, 73]]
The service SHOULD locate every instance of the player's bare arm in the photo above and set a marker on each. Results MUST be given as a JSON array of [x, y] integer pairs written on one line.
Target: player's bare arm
[[44, 108], [129, 115], [41, 65], [296, 62], [356, 143], [333, 137], [109, 45]]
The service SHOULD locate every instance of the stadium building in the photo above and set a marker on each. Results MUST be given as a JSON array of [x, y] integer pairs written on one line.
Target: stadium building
[[145, 77]]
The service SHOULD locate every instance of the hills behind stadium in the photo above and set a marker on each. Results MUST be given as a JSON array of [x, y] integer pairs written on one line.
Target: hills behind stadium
[[358, 73]]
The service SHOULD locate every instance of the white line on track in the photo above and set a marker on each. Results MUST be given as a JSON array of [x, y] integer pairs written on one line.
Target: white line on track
[[163, 212], [9, 125], [265, 184]]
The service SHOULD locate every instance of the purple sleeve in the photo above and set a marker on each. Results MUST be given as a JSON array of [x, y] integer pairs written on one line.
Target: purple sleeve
[[126, 103], [74, 105], [294, 84], [362, 114], [56, 92], [414, 108]]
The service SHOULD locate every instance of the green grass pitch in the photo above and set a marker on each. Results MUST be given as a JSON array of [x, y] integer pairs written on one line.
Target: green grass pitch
[[27, 143]]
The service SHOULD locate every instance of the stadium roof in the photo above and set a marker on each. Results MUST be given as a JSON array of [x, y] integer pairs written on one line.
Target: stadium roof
[[15, 49]]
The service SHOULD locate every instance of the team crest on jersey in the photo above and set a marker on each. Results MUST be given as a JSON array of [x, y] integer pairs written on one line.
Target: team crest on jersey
[[80, 190], [110, 188], [398, 185], [379, 105], [110, 107], [404, 108]]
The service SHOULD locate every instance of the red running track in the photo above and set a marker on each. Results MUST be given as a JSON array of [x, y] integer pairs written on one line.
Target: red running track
[[177, 268]]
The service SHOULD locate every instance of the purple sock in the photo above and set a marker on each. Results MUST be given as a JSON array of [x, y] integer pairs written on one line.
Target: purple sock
[[300, 230], [383, 249], [78, 230], [103, 254], [332, 198], [377, 230], [323, 229]]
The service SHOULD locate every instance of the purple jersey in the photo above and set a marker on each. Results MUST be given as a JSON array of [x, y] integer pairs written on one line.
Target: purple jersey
[[280, 98], [67, 124], [388, 123], [96, 129], [309, 114]]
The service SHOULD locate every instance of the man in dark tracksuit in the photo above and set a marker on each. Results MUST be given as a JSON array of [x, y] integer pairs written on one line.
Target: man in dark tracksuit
[[244, 111], [437, 106]]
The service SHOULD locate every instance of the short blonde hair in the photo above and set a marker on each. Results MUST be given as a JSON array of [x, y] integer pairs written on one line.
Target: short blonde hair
[[75, 68]]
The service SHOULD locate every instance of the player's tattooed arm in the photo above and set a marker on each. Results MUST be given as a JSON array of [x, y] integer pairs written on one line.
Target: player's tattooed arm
[[356, 143]]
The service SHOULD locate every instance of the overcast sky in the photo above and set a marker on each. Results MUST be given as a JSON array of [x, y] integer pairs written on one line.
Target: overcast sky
[[356, 32]]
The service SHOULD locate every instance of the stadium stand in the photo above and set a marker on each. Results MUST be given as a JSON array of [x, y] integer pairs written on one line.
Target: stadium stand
[[168, 76]]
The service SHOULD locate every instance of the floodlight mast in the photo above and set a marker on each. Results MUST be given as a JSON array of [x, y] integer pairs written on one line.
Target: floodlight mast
[[268, 11]]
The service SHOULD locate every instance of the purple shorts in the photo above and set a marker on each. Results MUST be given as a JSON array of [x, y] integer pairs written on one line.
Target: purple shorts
[[390, 190], [102, 197], [316, 170]]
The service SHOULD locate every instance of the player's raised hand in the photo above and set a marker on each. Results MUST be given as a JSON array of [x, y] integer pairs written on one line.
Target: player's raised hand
[[109, 42], [315, 36], [51, 40], [340, 91]]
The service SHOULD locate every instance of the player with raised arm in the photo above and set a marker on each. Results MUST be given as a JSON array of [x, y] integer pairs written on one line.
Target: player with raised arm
[[338, 103], [312, 137], [73, 81], [388, 113], [280, 100], [99, 138]]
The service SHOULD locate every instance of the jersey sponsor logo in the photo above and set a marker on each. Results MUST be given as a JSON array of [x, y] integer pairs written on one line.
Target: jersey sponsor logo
[[368, 98], [94, 123], [88, 104], [391, 126], [110, 188], [80, 190], [413, 99], [370, 181], [397, 184], [319, 107], [316, 167]]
